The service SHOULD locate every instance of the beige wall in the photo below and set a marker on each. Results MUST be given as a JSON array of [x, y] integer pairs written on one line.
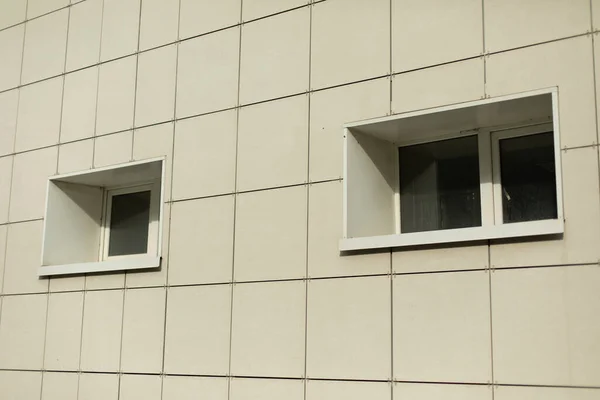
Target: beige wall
[[252, 285]]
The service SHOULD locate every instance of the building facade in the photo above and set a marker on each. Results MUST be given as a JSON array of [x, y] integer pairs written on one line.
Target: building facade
[[245, 103]]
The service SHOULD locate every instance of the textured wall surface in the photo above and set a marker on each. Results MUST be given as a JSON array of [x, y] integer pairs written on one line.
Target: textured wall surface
[[246, 99]]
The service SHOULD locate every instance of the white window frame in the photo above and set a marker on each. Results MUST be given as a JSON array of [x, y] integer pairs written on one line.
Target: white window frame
[[154, 189], [492, 226], [490, 182]]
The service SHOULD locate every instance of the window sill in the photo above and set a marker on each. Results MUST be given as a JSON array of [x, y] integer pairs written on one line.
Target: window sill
[[143, 261], [515, 230]]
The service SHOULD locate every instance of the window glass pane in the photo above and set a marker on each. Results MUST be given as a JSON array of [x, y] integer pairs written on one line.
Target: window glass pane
[[129, 220], [528, 178], [439, 185]]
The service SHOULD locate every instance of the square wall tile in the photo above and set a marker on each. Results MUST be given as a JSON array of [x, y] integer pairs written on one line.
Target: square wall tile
[[38, 122], [63, 331], [60, 386], [270, 234], [66, 283], [99, 387], [152, 142], [22, 333], [596, 14], [199, 254], [542, 393], [6, 167], [330, 110], [155, 97], [79, 105], [331, 390], [85, 27], [286, 54], [30, 174], [120, 28], [35, 8], [113, 149], [143, 327], [3, 232], [567, 64], [324, 233], [513, 23], [421, 391], [116, 94], [340, 52], [438, 86], [45, 46], [207, 76], [188, 388], [9, 102], [349, 328], [197, 339], [440, 258], [273, 144], [442, 327], [596, 54], [266, 389], [20, 385], [11, 48], [75, 156], [159, 22], [441, 39], [101, 341], [140, 387], [201, 16], [204, 159], [253, 9], [268, 330], [13, 12], [23, 258], [109, 280], [582, 221], [545, 326]]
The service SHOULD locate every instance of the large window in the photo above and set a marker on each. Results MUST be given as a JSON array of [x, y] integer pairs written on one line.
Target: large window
[[476, 171]]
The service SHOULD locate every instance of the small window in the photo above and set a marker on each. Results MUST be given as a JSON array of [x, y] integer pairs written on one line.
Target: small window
[[106, 219], [484, 170], [128, 221]]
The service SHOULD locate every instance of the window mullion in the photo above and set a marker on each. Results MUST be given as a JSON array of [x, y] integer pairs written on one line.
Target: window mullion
[[485, 178]]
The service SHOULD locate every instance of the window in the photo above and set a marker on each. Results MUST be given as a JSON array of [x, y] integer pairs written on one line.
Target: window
[[476, 171], [439, 185], [107, 219], [130, 220]]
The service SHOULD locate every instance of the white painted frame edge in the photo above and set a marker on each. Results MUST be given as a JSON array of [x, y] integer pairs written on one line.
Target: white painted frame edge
[[132, 262], [484, 232], [112, 265], [506, 231]]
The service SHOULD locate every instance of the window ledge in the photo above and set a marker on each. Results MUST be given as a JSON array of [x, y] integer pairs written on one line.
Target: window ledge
[[506, 231], [143, 261]]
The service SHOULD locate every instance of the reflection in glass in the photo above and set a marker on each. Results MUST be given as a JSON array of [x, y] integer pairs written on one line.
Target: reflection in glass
[[439, 185]]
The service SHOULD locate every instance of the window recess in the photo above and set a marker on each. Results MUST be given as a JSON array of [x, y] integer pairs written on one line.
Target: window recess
[[108, 219], [482, 170]]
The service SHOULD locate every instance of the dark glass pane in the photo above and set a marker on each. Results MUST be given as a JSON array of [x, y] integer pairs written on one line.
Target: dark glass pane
[[528, 178], [129, 219], [439, 185]]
